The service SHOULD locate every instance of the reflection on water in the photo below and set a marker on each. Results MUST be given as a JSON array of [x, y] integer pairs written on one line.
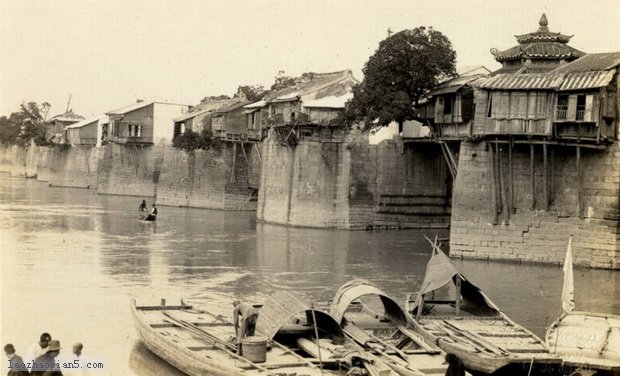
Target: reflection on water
[[71, 260]]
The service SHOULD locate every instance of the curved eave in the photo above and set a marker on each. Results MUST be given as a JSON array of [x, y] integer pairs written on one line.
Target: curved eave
[[547, 37]]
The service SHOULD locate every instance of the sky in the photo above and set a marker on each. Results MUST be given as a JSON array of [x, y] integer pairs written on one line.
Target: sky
[[107, 54]]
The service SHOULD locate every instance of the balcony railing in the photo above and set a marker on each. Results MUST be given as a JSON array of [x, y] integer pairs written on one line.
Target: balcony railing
[[561, 113], [580, 115]]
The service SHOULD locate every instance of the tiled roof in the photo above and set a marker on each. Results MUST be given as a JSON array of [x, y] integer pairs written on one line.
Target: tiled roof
[[331, 101], [539, 50], [587, 80], [540, 44], [522, 81], [68, 116], [258, 104], [205, 107], [592, 62], [138, 105], [103, 119], [549, 81], [317, 82], [240, 102], [453, 85]]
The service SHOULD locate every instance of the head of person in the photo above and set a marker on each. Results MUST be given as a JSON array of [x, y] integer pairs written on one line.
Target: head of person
[[53, 348], [44, 340], [236, 303], [144, 201], [77, 348], [451, 358], [9, 350]]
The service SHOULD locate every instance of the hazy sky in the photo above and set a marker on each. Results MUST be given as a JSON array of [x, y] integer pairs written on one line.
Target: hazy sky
[[109, 53]]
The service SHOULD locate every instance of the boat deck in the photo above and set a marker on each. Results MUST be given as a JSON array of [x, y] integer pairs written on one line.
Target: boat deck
[[209, 350]]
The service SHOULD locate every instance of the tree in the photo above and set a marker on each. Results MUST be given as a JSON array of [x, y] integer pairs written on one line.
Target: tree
[[283, 81], [405, 67], [27, 124], [190, 141], [252, 92]]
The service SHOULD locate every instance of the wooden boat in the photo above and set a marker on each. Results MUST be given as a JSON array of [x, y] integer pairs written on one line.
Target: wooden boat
[[291, 322], [146, 216], [197, 343], [457, 316], [381, 328], [587, 341]]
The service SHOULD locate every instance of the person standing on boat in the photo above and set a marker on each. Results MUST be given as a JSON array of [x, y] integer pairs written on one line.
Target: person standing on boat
[[17, 367], [142, 206], [154, 211], [247, 326]]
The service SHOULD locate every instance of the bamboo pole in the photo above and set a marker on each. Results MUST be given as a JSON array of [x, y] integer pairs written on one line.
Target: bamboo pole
[[545, 177], [510, 178], [552, 178], [532, 177], [493, 183], [579, 183], [458, 295], [502, 186], [316, 333], [234, 163]]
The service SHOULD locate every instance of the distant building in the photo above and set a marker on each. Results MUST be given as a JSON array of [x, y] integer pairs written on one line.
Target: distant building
[[537, 52], [200, 117], [56, 125], [144, 122], [91, 131], [574, 101], [229, 122], [289, 105]]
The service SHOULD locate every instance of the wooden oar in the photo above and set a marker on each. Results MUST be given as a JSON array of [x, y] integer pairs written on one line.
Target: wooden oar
[[418, 339], [195, 329], [218, 343]]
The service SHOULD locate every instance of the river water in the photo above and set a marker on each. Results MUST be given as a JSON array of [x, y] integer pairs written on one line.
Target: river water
[[71, 260]]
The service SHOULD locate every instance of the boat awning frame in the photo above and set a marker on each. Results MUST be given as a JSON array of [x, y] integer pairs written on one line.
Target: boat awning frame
[[358, 288], [280, 309]]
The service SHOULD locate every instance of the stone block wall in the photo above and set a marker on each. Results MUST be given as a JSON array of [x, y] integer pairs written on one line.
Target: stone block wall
[[207, 179], [129, 170], [353, 185], [539, 235]]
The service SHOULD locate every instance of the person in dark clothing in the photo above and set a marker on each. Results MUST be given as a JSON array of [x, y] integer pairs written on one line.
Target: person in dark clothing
[[46, 365], [142, 206], [17, 367], [455, 366]]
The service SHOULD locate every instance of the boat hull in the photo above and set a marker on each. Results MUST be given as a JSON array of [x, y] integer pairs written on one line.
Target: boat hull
[[587, 340]]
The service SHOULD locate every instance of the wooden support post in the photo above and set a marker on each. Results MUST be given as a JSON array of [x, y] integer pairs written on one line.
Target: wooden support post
[[532, 177], [579, 183], [258, 151], [510, 179], [545, 177], [234, 163], [502, 186], [552, 178], [458, 294], [493, 183]]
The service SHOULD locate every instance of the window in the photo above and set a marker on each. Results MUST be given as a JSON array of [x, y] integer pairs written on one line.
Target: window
[[490, 105], [562, 108], [581, 107], [135, 130], [292, 116], [447, 105]]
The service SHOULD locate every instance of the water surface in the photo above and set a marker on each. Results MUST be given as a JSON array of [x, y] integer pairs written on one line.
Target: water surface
[[71, 260]]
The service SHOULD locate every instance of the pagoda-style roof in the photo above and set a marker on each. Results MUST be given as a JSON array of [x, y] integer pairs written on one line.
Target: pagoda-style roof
[[541, 44]]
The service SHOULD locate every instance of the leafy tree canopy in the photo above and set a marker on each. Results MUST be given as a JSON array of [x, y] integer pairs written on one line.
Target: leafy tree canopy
[[284, 81], [405, 67], [27, 124], [252, 92], [191, 141]]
